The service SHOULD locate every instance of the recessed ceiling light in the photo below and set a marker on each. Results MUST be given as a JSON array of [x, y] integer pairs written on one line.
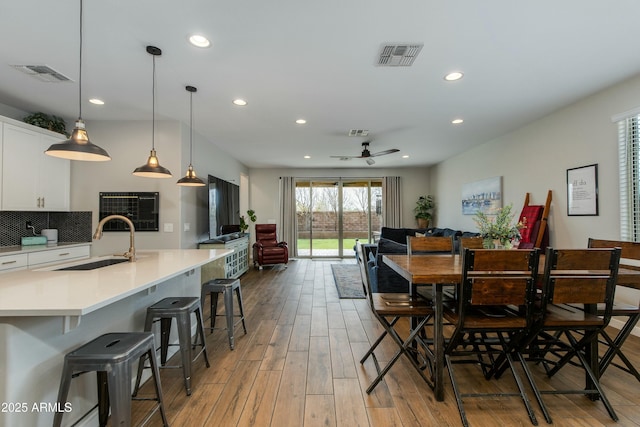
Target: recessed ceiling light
[[199, 41], [406, 156], [456, 75], [96, 101], [239, 102], [457, 121], [301, 121], [307, 157]]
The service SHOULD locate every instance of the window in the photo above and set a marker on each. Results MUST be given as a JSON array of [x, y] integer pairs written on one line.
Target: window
[[629, 160]]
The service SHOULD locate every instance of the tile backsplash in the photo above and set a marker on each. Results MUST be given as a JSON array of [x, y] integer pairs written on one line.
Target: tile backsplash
[[72, 226]]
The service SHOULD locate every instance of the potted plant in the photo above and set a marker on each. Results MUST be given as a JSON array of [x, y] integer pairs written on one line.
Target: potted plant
[[243, 223], [498, 231], [423, 209], [50, 122]]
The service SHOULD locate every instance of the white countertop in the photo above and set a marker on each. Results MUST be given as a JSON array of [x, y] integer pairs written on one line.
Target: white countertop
[[44, 292]]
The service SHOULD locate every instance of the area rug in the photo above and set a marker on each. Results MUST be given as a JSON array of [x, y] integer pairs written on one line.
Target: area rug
[[348, 280]]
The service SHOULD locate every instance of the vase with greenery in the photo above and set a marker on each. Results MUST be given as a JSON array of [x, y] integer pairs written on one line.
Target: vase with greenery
[[243, 222], [424, 206], [498, 229], [46, 121]]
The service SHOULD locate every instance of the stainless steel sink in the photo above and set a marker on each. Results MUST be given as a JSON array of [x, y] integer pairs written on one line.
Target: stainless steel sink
[[94, 264]]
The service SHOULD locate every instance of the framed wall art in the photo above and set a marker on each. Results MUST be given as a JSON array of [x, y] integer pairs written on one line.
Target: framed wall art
[[484, 195], [582, 190]]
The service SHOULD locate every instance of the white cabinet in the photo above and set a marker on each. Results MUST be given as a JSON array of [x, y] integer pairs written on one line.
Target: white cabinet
[[31, 180], [13, 262], [56, 256], [235, 264], [39, 258]]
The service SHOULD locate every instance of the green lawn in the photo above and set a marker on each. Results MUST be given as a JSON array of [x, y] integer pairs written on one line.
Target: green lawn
[[327, 243]]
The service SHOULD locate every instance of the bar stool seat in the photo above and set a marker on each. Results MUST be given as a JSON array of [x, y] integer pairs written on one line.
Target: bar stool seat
[[226, 287], [111, 356], [181, 309]]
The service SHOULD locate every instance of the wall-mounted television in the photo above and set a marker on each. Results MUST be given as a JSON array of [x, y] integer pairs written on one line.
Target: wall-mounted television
[[224, 204]]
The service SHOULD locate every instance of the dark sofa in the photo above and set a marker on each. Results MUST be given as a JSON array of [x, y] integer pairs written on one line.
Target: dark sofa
[[394, 241]]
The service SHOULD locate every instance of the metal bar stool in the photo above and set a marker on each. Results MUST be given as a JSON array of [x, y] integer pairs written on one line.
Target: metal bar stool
[[226, 287], [111, 356], [179, 308]]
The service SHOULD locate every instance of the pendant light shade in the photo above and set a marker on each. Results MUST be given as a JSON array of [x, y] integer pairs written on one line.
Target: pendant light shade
[[190, 179], [79, 147], [152, 168]]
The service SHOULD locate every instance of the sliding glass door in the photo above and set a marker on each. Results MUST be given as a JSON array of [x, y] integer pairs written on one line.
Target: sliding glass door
[[333, 213]]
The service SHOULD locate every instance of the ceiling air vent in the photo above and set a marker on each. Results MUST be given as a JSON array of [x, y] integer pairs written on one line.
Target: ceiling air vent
[[43, 73], [358, 132], [398, 55]]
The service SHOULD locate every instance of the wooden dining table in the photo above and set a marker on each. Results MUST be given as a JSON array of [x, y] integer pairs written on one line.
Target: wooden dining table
[[441, 270]]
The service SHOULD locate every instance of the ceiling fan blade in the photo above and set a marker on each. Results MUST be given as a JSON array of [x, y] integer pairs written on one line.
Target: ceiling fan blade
[[382, 153], [345, 157]]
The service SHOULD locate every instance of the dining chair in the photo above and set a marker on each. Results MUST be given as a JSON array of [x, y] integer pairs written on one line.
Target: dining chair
[[494, 310], [389, 308], [629, 251], [430, 244], [469, 242], [565, 332]]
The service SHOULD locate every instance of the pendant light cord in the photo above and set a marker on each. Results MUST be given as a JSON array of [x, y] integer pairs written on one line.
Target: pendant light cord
[[153, 107], [80, 72], [190, 128]]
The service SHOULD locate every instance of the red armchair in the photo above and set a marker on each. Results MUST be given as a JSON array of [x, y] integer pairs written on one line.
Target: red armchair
[[267, 250]]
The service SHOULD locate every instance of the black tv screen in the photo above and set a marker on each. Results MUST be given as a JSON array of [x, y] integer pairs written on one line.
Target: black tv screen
[[224, 204]]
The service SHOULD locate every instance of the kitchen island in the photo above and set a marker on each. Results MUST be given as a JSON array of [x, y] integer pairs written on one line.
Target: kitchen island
[[45, 313]]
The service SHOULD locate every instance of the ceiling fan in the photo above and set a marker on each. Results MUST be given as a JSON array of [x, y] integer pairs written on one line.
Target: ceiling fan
[[366, 154]]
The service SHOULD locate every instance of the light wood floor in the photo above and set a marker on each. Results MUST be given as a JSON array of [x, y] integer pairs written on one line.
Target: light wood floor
[[299, 366]]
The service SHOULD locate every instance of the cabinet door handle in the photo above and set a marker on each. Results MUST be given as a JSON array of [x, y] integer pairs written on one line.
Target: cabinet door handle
[[64, 254], [9, 262], [42, 202], [38, 204]]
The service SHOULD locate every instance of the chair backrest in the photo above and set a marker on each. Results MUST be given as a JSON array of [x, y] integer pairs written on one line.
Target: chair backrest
[[581, 276], [493, 277], [629, 250], [469, 242], [364, 272], [266, 234], [429, 244]]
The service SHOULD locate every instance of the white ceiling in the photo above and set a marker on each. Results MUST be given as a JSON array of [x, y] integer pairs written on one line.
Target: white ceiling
[[316, 60]]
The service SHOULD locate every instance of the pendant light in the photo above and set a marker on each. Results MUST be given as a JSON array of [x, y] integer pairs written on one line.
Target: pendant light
[[190, 179], [79, 147], [152, 168]]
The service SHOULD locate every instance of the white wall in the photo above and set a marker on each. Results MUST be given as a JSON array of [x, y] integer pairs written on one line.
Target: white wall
[[207, 160], [264, 187], [129, 143], [535, 159]]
